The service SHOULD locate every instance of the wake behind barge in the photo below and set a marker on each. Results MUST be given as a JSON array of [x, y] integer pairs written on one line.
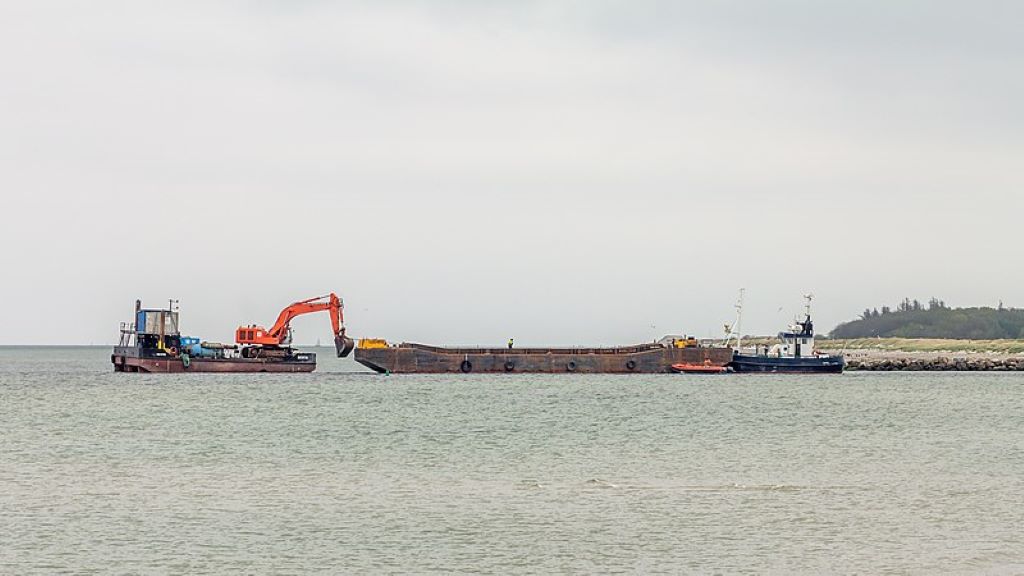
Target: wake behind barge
[[656, 357]]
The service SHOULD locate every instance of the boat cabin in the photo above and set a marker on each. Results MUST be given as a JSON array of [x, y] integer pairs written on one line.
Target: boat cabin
[[153, 329], [798, 342]]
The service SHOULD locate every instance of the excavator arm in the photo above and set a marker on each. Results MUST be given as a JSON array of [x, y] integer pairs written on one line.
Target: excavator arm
[[277, 334]]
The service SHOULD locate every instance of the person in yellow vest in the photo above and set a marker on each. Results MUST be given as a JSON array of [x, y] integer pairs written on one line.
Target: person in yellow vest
[[510, 343]]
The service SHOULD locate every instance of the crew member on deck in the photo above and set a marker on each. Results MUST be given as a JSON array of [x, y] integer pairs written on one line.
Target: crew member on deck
[[510, 342]]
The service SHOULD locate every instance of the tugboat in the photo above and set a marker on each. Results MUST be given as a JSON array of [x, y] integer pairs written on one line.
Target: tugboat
[[153, 343], [794, 352]]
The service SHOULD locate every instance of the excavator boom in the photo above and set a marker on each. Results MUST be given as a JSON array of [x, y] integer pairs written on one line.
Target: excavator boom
[[277, 335]]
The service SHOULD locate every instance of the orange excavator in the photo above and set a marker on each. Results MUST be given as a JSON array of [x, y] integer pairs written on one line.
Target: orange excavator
[[259, 342]]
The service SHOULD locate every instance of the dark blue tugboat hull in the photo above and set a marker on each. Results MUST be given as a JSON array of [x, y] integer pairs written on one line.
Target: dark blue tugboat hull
[[818, 365]]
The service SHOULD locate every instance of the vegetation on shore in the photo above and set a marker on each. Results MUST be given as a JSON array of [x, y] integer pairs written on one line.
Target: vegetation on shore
[[914, 320]]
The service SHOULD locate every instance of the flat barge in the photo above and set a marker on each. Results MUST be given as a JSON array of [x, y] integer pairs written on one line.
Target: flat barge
[[153, 343], [652, 358], [134, 359]]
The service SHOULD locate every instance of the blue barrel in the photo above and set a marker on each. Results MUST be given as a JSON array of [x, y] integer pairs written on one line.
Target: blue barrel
[[198, 351]]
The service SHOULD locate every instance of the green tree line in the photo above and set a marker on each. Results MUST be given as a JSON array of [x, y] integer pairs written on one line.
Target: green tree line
[[913, 319]]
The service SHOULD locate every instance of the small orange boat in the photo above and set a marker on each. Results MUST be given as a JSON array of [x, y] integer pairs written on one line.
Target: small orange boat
[[706, 368]]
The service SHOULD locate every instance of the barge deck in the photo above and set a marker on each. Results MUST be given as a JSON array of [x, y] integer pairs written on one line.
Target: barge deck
[[132, 359]]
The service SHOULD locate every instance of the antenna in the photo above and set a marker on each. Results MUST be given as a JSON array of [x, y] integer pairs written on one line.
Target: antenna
[[739, 318], [736, 328], [807, 307]]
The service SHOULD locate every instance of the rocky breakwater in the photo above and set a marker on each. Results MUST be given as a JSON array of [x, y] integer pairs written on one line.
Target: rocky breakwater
[[937, 364]]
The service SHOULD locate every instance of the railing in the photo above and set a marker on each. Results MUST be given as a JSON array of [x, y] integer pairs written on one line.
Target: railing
[[127, 331]]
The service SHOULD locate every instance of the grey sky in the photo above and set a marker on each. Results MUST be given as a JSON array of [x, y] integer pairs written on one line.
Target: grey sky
[[561, 172]]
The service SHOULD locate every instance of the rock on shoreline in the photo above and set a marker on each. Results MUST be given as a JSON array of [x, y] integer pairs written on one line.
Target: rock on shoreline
[[939, 364]]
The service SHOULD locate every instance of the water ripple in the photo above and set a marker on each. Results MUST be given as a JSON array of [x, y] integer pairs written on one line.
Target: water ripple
[[349, 473]]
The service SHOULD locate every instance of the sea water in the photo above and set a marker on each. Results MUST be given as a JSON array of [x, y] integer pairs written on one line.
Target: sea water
[[343, 471]]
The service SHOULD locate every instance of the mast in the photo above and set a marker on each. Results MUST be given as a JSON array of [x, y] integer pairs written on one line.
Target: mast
[[739, 319], [806, 324], [735, 329]]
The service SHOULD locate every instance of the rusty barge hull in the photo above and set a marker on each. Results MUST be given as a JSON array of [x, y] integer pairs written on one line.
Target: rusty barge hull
[[127, 359], [408, 358]]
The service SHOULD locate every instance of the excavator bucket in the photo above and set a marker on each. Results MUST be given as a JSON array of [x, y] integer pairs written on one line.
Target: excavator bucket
[[343, 344]]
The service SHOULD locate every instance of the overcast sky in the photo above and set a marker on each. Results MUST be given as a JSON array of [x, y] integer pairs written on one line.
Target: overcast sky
[[461, 172]]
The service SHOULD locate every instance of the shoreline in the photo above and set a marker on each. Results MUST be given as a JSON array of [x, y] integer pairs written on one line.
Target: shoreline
[[941, 361], [922, 354], [963, 360]]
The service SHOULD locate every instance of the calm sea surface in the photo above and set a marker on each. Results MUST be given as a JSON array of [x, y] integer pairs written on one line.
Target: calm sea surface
[[346, 472]]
